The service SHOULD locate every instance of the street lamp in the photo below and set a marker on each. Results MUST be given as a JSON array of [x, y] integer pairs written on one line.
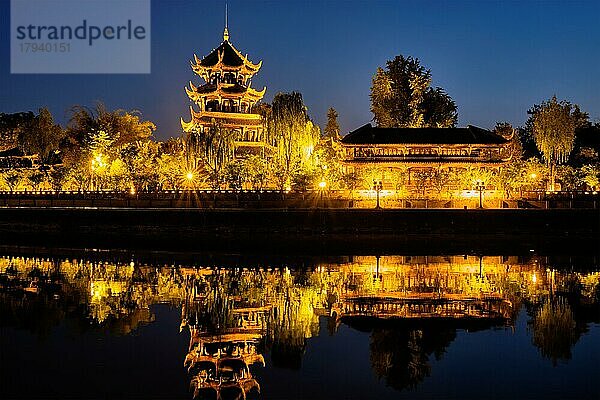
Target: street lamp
[[189, 179], [322, 186], [480, 185], [377, 187]]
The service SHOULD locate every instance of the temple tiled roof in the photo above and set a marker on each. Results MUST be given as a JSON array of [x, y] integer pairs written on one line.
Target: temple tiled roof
[[369, 135], [230, 56]]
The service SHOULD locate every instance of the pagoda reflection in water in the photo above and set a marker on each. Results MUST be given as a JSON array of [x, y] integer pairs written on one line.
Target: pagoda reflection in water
[[238, 316], [219, 358]]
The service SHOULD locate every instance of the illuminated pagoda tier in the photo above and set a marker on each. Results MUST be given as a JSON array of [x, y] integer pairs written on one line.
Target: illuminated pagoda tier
[[226, 99]]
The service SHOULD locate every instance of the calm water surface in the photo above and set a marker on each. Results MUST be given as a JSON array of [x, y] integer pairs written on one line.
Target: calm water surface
[[346, 328]]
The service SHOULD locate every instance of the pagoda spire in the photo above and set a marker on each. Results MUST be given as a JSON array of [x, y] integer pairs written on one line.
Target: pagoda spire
[[226, 31]]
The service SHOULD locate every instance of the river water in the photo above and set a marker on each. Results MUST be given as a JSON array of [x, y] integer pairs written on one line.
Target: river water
[[96, 325]]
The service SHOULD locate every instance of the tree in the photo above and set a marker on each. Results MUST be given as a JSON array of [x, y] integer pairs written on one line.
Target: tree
[[329, 150], [569, 177], [214, 149], [591, 176], [12, 126], [401, 96], [553, 128], [35, 178], [381, 99], [294, 134], [351, 181], [303, 180], [172, 169], [12, 178], [422, 178], [140, 160], [235, 174], [468, 178], [440, 180], [58, 175], [332, 129], [123, 127], [41, 136], [257, 171], [120, 128]]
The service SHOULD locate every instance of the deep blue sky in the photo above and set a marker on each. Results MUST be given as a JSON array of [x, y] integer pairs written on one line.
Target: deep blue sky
[[495, 59]]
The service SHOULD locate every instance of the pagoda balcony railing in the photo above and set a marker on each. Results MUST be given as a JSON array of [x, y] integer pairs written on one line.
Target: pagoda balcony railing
[[226, 114], [424, 158]]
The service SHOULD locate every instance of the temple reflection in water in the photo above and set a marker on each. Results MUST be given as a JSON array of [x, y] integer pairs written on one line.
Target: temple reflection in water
[[238, 316]]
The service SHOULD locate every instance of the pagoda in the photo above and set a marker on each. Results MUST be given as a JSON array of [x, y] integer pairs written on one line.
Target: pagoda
[[226, 99]]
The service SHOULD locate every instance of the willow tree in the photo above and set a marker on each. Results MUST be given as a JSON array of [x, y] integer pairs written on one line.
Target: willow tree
[[402, 96], [553, 129], [555, 330], [214, 148], [294, 133]]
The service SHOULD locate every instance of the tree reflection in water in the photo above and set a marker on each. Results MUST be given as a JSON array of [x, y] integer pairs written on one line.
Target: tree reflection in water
[[554, 330], [401, 356], [413, 307]]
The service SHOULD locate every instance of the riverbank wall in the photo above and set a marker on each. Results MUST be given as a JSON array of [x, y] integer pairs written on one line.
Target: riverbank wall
[[303, 230]]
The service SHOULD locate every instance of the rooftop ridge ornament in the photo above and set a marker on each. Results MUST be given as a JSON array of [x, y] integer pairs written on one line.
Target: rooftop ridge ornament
[[226, 31]]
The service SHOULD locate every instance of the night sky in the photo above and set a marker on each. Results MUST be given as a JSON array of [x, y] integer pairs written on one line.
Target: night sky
[[495, 59]]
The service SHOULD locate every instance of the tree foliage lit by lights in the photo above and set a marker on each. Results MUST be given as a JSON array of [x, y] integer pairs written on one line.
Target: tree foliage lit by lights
[[402, 96], [553, 128], [294, 134], [213, 150], [332, 129]]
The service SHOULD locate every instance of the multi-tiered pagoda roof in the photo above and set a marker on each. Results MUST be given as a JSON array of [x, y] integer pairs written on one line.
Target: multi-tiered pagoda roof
[[226, 97]]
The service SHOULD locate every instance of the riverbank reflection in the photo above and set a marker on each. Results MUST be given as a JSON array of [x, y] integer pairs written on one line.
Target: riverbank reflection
[[238, 317]]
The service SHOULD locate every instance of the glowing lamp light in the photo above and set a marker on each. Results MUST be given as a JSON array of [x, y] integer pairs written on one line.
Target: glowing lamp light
[[533, 175], [322, 184], [534, 278], [189, 176]]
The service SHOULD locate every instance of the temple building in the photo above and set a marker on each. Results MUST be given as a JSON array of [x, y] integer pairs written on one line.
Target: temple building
[[419, 149], [226, 99]]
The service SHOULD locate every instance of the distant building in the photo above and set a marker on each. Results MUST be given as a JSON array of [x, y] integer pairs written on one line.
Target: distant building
[[14, 158], [226, 100], [418, 149]]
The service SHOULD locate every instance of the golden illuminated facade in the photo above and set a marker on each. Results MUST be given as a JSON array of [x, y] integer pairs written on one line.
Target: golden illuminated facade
[[423, 150], [226, 100]]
